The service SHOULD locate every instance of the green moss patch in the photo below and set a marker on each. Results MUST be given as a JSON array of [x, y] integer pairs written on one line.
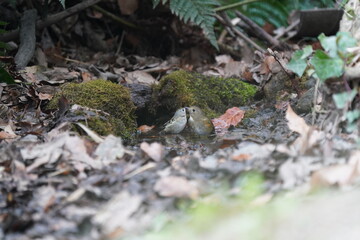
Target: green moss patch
[[213, 94], [108, 97]]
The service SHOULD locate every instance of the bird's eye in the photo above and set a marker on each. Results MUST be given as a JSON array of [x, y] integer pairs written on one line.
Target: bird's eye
[[193, 110]]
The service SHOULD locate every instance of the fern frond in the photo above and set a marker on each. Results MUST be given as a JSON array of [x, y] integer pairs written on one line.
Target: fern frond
[[200, 12], [272, 11]]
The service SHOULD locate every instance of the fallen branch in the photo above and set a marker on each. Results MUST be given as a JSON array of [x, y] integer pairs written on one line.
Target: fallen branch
[[234, 31], [261, 33], [13, 35], [27, 39]]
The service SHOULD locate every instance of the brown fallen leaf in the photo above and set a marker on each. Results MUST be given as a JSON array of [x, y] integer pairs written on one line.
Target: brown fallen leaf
[[154, 150], [241, 157], [45, 96], [145, 128], [309, 136], [173, 186], [128, 7], [232, 116], [295, 122], [5, 135]]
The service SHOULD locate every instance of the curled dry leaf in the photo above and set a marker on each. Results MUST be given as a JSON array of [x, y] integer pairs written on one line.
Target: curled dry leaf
[[145, 128], [309, 136], [338, 175], [173, 186], [232, 116], [296, 123], [154, 150]]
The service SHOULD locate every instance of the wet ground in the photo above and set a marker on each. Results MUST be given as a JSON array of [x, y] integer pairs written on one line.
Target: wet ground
[[73, 188]]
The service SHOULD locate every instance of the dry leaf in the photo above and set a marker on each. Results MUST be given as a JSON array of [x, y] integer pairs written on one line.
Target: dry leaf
[[241, 157], [173, 186], [234, 69], [128, 7], [309, 136], [265, 66], [335, 175], [5, 135], [296, 123], [232, 116], [117, 212], [45, 96], [145, 128], [110, 149], [247, 75], [140, 77], [154, 150], [223, 59]]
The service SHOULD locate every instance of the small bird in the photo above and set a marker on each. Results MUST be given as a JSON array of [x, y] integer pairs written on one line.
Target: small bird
[[198, 122], [177, 123]]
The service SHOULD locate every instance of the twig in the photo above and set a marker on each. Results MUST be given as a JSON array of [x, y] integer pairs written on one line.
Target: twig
[[233, 29], [315, 100], [288, 29], [120, 43], [282, 65], [114, 17], [261, 33], [51, 19]]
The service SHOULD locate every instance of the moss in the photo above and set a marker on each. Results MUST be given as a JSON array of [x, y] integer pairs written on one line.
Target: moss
[[250, 113], [213, 94], [108, 97]]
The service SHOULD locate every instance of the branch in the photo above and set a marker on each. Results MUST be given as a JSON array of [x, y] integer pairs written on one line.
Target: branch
[[27, 39], [13, 35], [260, 32]]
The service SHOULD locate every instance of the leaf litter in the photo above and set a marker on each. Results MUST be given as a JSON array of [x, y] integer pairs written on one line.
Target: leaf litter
[[60, 182]]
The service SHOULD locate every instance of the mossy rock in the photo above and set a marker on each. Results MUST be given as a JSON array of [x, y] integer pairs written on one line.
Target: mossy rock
[[212, 94], [106, 96]]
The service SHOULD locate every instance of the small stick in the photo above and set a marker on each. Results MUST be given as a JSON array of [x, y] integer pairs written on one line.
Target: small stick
[[261, 33], [229, 25]]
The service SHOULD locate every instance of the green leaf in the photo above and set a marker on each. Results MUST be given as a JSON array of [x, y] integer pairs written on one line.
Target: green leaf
[[62, 2], [307, 51], [297, 66], [6, 77], [329, 44], [343, 99], [351, 116], [326, 66], [271, 11], [344, 41], [156, 2], [2, 23], [298, 62]]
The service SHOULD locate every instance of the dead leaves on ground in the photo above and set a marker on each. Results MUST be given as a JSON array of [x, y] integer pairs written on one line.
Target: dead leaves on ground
[[231, 117]]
